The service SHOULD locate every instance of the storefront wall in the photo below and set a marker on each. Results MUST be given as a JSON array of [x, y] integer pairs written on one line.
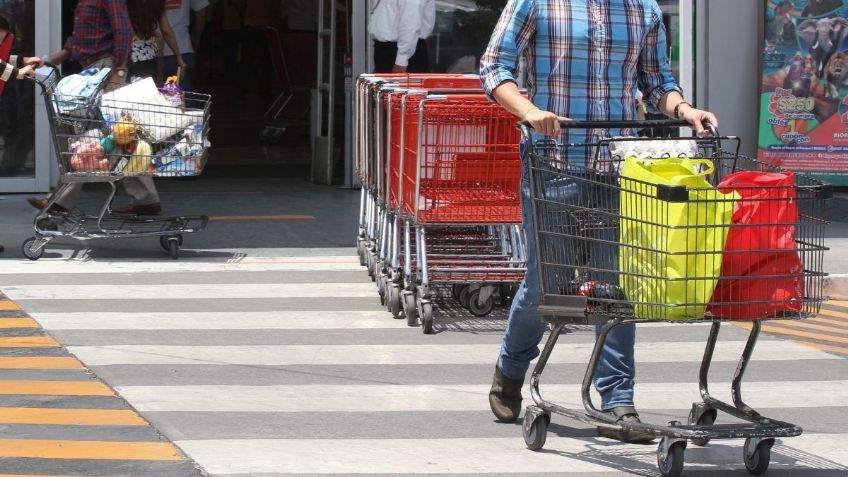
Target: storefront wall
[[728, 49]]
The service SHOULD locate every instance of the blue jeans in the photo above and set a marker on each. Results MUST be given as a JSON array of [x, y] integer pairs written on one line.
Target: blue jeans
[[616, 371]]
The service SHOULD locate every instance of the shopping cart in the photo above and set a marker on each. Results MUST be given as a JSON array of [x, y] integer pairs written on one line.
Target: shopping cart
[[387, 131], [458, 187], [103, 138], [605, 258]]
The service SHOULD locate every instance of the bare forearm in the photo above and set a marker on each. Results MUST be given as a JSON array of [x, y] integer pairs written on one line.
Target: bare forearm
[[670, 101], [508, 96]]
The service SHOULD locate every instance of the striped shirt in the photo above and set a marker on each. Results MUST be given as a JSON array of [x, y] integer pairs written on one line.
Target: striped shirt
[[585, 58]]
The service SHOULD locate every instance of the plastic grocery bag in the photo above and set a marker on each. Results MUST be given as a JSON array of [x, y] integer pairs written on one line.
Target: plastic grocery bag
[[762, 274], [671, 238]]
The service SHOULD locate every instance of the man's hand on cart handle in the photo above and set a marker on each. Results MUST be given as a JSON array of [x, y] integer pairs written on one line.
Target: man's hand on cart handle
[[697, 118], [34, 61], [544, 122]]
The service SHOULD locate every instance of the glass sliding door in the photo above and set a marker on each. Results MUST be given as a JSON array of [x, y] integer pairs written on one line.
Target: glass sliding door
[[24, 138]]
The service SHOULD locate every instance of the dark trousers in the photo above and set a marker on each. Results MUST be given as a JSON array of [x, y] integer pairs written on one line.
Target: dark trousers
[[385, 53]]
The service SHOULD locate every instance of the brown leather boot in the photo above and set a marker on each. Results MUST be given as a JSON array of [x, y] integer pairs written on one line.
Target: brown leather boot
[[505, 397], [626, 415]]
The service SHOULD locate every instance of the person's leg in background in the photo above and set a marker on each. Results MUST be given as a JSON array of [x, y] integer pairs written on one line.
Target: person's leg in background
[[145, 197], [420, 61], [384, 56]]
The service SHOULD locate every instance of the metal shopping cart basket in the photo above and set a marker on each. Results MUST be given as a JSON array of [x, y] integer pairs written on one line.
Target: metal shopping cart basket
[[101, 138], [614, 248]]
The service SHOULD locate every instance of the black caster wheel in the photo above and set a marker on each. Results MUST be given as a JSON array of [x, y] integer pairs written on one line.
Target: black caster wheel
[[535, 431], [409, 307], [425, 313], [456, 291], [480, 309], [670, 462], [394, 301], [29, 251], [701, 416], [505, 293], [757, 454], [465, 296], [165, 241], [381, 288]]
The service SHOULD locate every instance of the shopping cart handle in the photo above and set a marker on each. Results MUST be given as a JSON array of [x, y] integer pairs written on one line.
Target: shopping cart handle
[[636, 124], [39, 82]]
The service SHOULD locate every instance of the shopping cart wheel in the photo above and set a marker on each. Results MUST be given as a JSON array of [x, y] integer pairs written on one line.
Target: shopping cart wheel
[[480, 309], [535, 427], [425, 314], [32, 248], [409, 309], [757, 453], [465, 296], [372, 265], [394, 301], [456, 290], [670, 457], [701, 415], [381, 287], [165, 240]]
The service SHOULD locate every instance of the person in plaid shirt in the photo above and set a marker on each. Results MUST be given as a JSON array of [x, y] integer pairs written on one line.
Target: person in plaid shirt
[[585, 60], [102, 38]]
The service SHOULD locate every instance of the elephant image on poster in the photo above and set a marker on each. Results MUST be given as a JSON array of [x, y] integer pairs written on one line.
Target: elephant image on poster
[[824, 37]]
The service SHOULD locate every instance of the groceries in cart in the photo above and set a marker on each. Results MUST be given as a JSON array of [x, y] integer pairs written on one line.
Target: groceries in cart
[[139, 130], [107, 137]]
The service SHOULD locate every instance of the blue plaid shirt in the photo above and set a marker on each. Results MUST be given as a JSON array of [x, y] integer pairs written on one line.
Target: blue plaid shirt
[[585, 58]]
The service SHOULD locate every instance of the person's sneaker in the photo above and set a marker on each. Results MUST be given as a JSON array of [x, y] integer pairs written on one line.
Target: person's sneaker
[[505, 397], [135, 209], [41, 203], [626, 415]]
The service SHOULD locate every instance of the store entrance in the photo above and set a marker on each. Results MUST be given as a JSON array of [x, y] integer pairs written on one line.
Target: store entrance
[[258, 60]]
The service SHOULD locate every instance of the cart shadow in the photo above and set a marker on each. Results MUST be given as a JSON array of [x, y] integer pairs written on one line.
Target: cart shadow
[[640, 460]]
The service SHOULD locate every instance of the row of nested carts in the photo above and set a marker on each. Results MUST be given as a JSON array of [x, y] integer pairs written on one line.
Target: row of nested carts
[[440, 201]]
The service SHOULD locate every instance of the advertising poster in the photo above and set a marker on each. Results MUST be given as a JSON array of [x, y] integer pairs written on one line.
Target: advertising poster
[[804, 103]]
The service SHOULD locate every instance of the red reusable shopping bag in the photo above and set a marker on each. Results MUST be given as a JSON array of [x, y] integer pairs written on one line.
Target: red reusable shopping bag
[[761, 275]]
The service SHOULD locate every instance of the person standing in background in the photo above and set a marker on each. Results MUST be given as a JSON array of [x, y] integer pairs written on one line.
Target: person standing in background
[[399, 29], [302, 40], [187, 19], [151, 28], [257, 57]]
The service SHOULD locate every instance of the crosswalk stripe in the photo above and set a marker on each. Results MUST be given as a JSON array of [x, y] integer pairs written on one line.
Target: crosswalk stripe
[[830, 322], [70, 417], [8, 306], [55, 388], [284, 320], [28, 342], [40, 362], [833, 314], [771, 328], [9, 323], [101, 450], [564, 455], [412, 398], [268, 355], [812, 326], [841, 303], [205, 291], [318, 263], [827, 348]]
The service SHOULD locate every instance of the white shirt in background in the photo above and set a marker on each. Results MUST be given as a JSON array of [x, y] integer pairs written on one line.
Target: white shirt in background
[[179, 16], [403, 22]]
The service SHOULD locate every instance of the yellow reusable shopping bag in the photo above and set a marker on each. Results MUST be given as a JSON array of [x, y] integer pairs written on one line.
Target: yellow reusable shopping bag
[[671, 238]]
